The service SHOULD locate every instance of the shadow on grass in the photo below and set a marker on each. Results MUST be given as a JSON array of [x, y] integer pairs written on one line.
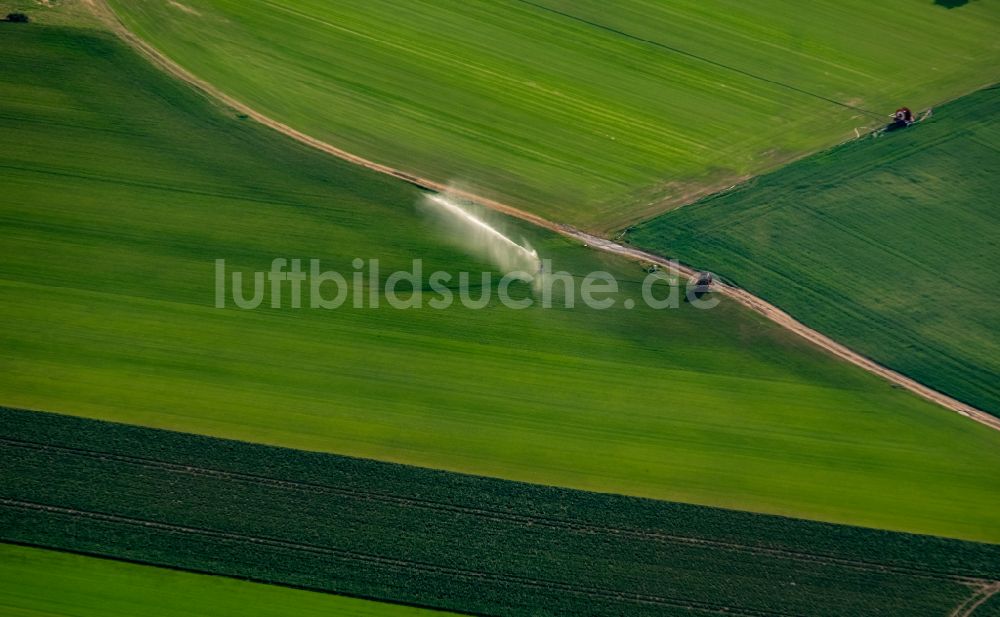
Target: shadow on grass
[[951, 4]]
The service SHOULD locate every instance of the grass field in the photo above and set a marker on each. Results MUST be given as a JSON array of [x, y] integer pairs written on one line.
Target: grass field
[[889, 245], [449, 540], [44, 583], [557, 106], [121, 188]]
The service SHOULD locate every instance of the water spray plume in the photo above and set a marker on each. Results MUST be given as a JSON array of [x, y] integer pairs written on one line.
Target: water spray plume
[[481, 237]]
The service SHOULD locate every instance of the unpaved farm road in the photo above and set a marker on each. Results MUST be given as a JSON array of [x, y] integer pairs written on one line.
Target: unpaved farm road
[[750, 301]]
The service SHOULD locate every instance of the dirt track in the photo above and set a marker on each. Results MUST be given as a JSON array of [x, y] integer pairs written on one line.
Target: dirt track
[[742, 296], [980, 597]]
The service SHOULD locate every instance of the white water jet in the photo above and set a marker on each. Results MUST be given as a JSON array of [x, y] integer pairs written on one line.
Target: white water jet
[[483, 239]]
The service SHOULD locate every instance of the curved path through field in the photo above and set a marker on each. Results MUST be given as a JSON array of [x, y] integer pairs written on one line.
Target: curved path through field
[[748, 300]]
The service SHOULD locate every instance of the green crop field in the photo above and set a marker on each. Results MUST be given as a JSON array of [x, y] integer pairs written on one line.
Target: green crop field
[[120, 188], [990, 608], [448, 540], [588, 112], [43, 583], [887, 244]]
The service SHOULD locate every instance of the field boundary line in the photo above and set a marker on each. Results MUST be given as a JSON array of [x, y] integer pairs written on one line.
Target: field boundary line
[[392, 562], [499, 515], [741, 296]]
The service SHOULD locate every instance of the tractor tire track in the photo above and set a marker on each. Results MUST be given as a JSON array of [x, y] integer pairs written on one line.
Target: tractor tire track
[[501, 515], [758, 305], [980, 597], [396, 563]]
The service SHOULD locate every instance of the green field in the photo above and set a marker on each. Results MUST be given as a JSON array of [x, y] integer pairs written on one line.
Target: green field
[[43, 583], [448, 540], [121, 187], [556, 105], [889, 245], [990, 608]]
